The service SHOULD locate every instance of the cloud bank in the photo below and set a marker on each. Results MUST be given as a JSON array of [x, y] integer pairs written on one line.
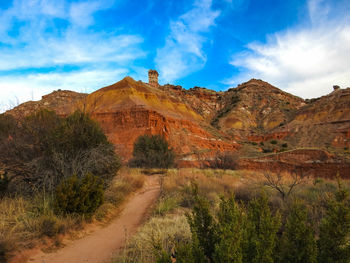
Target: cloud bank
[[305, 61], [38, 37]]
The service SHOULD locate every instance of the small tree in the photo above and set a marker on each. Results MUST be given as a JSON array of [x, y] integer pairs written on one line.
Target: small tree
[[225, 160], [260, 232], [152, 152], [334, 241], [229, 227], [298, 241], [284, 184], [202, 224], [81, 196]]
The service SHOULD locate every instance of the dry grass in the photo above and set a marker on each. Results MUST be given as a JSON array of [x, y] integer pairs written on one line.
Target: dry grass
[[24, 222], [128, 181], [162, 232], [169, 225]]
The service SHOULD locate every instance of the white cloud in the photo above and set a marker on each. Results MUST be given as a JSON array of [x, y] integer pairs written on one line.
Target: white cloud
[[33, 86], [183, 50], [31, 39], [303, 61]]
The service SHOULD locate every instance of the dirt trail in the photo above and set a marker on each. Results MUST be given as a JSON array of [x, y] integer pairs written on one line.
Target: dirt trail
[[99, 246]]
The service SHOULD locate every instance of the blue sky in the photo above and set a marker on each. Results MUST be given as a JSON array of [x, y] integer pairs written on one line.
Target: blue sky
[[301, 46]]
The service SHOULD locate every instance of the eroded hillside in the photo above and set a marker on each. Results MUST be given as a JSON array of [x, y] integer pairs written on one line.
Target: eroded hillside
[[255, 119]]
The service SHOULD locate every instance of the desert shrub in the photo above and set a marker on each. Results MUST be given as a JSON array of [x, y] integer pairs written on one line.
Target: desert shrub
[[50, 226], [81, 196], [152, 152], [333, 243], [225, 160], [44, 149], [298, 241], [79, 146], [230, 232], [76, 133], [203, 229], [260, 232], [273, 142], [284, 145]]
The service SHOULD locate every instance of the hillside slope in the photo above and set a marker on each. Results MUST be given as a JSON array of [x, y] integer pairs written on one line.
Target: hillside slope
[[200, 122]]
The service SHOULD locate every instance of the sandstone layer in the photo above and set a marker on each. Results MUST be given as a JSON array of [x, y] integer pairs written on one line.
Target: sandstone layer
[[269, 128]]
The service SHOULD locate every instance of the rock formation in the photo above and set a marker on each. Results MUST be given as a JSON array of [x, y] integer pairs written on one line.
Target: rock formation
[[268, 127]]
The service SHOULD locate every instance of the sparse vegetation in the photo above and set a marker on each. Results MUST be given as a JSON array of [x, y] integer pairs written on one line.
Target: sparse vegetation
[[225, 160], [231, 102], [254, 225], [23, 221], [152, 152]]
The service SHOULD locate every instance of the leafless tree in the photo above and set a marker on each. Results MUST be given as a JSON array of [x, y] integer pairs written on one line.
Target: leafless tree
[[285, 183], [225, 160]]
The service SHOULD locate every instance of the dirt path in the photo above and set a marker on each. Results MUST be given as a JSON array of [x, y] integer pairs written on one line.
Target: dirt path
[[99, 246]]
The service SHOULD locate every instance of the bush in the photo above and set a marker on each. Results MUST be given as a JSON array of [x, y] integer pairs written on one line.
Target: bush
[[284, 145], [273, 142], [298, 241], [333, 244], [225, 160], [44, 149], [230, 232], [81, 196], [203, 229], [260, 232], [152, 152]]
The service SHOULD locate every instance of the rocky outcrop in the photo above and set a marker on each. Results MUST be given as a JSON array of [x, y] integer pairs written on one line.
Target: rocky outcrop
[[62, 101], [253, 118], [310, 162]]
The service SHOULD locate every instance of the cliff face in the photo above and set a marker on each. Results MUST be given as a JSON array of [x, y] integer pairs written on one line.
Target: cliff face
[[199, 122], [129, 109]]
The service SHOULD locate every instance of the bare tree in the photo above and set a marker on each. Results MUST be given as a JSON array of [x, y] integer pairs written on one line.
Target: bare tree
[[225, 160], [285, 183]]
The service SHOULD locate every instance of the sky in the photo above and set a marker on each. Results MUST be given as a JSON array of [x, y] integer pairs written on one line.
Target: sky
[[300, 46]]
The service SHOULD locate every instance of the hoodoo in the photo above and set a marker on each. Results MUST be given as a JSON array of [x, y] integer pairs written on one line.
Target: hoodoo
[[153, 78]]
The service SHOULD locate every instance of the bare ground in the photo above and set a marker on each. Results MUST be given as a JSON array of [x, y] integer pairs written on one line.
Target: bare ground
[[99, 246]]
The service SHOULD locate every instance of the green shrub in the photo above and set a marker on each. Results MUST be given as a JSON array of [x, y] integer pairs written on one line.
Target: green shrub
[[284, 145], [203, 229], [229, 228], [298, 241], [260, 232], [333, 243], [152, 152], [81, 196], [79, 146], [273, 142], [44, 149], [50, 226]]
